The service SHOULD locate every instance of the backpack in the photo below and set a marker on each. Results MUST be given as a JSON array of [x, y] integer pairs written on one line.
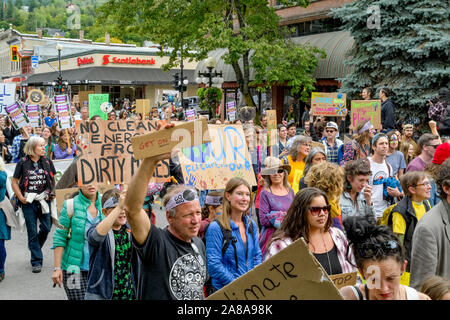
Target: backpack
[[70, 211], [386, 218], [227, 238]]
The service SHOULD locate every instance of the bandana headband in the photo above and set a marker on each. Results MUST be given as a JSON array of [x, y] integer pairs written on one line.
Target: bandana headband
[[182, 197], [111, 203], [365, 127], [213, 200]]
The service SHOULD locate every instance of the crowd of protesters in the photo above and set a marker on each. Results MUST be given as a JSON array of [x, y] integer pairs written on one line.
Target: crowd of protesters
[[372, 199]]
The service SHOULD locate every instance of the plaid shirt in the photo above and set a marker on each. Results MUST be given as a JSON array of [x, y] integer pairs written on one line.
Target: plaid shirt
[[332, 151], [339, 239], [16, 146]]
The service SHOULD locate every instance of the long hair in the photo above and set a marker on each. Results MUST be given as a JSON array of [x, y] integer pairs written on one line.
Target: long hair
[[295, 224], [363, 137], [207, 207], [232, 184], [404, 148], [294, 151], [309, 158], [63, 144]]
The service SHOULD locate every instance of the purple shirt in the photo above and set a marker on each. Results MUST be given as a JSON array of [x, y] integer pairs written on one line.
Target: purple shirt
[[416, 164], [62, 154], [269, 202]]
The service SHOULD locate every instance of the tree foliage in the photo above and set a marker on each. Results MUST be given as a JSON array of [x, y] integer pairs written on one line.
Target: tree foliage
[[409, 52], [248, 29]]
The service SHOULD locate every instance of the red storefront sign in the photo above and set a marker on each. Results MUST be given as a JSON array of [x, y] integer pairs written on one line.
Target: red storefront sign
[[107, 59], [81, 61]]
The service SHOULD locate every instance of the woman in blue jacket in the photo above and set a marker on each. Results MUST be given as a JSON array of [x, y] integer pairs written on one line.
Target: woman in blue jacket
[[242, 252]]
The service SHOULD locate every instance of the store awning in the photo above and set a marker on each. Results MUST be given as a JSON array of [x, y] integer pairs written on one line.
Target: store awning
[[337, 46], [109, 76]]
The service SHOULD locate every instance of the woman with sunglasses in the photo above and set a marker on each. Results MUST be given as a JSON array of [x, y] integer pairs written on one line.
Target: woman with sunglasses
[[380, 259], [242, 252], [394, 157], [309, 217], [275, 199]]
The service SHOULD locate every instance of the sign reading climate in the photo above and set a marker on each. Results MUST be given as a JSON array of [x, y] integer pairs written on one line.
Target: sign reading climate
[[116, 60]]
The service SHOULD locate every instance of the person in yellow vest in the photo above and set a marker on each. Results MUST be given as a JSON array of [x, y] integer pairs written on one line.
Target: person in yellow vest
[[407, 213], [296, 159]]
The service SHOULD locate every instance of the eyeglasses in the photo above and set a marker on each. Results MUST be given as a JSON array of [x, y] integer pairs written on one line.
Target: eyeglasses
[[369, 250], [330, 131], [426, 184], [316, 210], [433, 145]]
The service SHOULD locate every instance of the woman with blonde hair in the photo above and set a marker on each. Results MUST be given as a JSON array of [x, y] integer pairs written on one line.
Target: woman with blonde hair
[[408, 151], [232, 247], [49, 146], [329, 178]]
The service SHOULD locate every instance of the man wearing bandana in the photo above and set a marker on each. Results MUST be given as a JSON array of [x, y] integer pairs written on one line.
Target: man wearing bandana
[[173, 259]]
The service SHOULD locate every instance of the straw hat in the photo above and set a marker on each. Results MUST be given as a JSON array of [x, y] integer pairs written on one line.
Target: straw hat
[[272, 164]]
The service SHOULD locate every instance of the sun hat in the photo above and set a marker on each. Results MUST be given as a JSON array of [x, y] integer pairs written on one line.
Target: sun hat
[[272, 164]]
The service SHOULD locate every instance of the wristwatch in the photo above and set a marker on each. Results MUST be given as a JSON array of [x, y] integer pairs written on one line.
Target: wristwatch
[[56, 268]]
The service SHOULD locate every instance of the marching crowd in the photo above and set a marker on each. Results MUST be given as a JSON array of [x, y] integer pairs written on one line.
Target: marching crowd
[[376, 202]]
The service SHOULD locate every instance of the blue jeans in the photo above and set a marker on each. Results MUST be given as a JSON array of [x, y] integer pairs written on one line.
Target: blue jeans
[[32, 212]]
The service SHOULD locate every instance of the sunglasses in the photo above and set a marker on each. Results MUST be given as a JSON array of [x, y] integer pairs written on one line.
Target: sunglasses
[[370, 250], [433, 145], [316, 210], [331, 131], [280, 171]]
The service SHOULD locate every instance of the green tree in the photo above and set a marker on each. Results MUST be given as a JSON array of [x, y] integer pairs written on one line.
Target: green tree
[[407, 49], [248, 30]]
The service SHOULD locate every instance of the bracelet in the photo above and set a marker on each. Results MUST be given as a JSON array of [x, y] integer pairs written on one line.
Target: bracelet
[[56, 268]]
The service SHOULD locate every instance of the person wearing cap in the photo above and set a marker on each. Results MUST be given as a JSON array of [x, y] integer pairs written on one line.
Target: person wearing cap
[[70, 244], [441, 154], [242, 253], [111, 274], [381, 171], [427, 143], [407, 134], [182, 273], [210, 211], [331, 143], [359, 146], [430, 254], [275, 198]]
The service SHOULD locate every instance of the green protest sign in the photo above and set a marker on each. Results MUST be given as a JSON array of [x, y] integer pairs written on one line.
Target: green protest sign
[[95, 101]]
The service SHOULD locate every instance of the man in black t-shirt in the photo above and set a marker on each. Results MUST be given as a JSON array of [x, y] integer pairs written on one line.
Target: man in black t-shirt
[[172, 260]]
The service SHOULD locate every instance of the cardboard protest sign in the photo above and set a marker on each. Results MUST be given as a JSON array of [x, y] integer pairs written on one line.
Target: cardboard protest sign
[[329, 104], [344, 279], [17, 115], [34, 115], [190, 114], [95, 101], [62, 110], [143, 106], [291, 274], [271, 119], [164, 141], [211, 165], [107, 154], [84, 97], [362, 110]]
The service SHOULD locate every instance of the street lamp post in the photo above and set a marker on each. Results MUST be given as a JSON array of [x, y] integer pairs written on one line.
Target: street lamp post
[[210, 77], [59, 80], [180, 82]]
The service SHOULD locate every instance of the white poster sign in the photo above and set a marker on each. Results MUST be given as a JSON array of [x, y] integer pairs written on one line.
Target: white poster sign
[[7, 95]]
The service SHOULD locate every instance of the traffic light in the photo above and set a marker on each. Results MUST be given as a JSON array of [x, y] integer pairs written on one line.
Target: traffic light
[[14, 53], [175, 82], [183, 86]]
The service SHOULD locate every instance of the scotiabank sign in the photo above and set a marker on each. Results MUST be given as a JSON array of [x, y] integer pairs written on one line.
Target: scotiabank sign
[[107, 59]]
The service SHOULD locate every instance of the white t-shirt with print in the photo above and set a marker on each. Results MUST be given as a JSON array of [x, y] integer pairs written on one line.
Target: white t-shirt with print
[[379, 171]]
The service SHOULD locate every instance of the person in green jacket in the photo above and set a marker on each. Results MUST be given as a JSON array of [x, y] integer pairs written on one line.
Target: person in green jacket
[[70, 243]]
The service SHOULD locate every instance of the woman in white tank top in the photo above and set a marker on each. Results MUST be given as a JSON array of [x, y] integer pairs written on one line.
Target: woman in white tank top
[[380, 259]]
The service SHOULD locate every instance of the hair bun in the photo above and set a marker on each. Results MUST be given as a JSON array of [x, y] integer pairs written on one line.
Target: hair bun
[[359, 228]]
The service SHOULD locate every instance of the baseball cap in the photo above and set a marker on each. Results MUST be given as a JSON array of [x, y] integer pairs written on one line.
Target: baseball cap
[[333, 125]]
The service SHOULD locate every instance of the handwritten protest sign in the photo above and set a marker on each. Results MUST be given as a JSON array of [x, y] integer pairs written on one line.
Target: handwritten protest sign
[[62, 109], [95, 101], [190, 114], [343, 279], [211, 165], [231, 110], [362, 110], [107, 154], [271, 119], [143, 106], [329, 104], [291, 274], [34, 115], [17, 115], [84, 97], [181, 136]]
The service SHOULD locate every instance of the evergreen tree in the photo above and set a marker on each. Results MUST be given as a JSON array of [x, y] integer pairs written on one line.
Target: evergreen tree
[[408, 52], [19, 4]]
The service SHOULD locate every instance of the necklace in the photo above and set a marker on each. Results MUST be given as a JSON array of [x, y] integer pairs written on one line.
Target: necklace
[[328, 257]]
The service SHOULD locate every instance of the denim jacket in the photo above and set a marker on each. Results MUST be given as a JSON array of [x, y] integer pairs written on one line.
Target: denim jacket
[[222, 270], [350, 209]]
